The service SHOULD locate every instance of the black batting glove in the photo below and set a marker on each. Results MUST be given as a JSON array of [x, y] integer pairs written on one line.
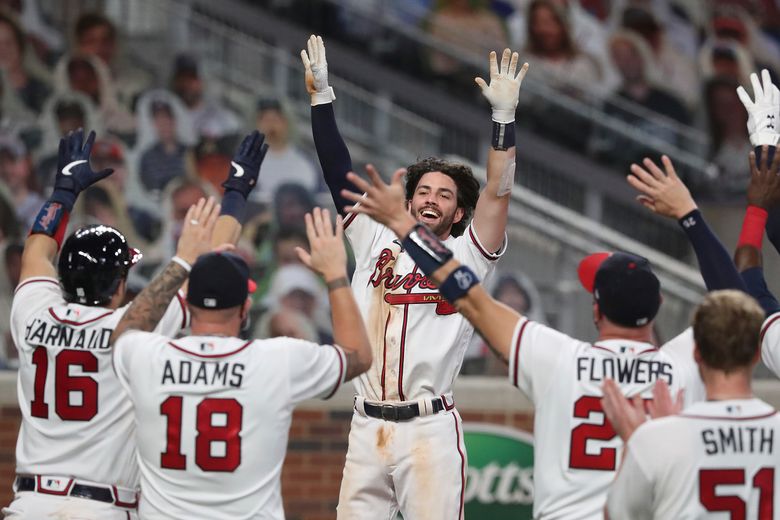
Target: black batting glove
[[245, 166], [74, 173]]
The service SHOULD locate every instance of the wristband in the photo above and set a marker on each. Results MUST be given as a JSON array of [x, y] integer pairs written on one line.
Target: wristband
[[458, 283], [338, 283], [753, 227], [182, 262], [503, 135], [425, 248], [52, 220], [321, 98], [233, 204]]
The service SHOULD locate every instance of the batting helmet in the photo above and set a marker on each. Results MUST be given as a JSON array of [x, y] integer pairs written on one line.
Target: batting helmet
[[92, 262]]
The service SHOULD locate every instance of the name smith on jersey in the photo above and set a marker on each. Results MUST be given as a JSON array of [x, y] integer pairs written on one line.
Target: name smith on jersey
[[47, 334]]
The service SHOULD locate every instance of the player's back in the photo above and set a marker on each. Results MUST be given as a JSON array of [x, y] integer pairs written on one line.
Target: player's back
[[213, 415], [77, 421], [577, 451], [717, 459]]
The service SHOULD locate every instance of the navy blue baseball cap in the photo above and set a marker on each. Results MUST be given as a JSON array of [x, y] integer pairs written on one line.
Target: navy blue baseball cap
[[219, 280], [624, 285]]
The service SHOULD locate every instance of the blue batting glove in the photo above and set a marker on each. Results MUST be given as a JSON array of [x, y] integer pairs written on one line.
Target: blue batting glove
[[245, 166], [74, 174]]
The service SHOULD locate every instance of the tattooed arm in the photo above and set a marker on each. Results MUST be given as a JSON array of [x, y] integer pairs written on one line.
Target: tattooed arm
[[149, 306]]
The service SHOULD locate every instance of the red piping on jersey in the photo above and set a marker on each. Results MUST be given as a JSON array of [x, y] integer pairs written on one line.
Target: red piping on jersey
[[119, 503], [462, 467], [652, 349], [766, 328], [517, 350], [211, 356], [770, 414], [489, 256], [69, 322], [384, 355], [403, 346], [34, 280], [349, 219], [40, 489], [447, 407], [183, 310], [341, 373]]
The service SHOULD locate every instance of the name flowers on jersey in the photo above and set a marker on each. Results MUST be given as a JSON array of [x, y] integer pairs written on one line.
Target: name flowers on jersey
[[385, 276], [623, 370]]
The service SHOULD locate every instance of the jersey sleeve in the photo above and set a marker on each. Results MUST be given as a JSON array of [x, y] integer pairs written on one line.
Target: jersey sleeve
[[176, 317], [680, 350], [533, 357], [469, 250], [315, 370], [630, 495], [361, 231], [131, 347], [30, 298], [770, 343]]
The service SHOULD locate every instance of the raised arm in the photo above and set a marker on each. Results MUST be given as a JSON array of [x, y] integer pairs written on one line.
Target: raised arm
[[763, 196], [331, 149], [490, 215], [149, 306], [457, 283], [74, 175], [665, 194], [329, 258], [242, 178]]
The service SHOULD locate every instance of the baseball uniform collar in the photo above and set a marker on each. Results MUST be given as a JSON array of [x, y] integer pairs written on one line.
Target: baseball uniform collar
[[624, 346], [734, 409]]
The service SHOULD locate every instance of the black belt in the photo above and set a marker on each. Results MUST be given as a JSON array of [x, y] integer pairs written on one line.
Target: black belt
[[77, 490], [407, 412]]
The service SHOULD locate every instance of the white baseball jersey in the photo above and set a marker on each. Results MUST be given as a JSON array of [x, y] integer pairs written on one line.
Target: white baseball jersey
[[76, 420], [577, 450], [718, 459], [770, 343], [680, 349], [213, 414], [418, 338]]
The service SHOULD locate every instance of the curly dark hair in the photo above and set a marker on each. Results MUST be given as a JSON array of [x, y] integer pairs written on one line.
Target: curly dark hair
[[468, 186]]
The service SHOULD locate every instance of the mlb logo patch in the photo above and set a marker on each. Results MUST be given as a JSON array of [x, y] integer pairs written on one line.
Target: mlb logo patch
[[210, 302]]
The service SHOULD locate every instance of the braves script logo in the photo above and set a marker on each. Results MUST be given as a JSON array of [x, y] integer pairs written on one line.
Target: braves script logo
[[385, 276]]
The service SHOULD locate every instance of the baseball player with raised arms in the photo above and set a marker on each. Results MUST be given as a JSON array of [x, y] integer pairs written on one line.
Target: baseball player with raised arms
[[718, 458], [577, 451], [75, 450], [213, 410], [406, 448]]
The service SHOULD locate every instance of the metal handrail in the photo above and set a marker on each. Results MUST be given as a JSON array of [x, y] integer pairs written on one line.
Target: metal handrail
[[590, 109]]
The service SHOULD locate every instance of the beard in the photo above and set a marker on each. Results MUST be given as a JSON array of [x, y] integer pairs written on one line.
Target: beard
[[441, 226]]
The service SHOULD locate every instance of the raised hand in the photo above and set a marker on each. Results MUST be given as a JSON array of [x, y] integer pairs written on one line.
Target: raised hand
[[764, 112], [662, 193], [504, 88], [383, 202], [662, 404], [74, 174], [316, 65], [327, 255], [245, 166], [626, 415], [195, 238], [764, 188]]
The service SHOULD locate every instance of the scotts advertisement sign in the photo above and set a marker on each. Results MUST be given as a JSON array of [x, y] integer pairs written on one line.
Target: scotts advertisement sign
[[499, 483]]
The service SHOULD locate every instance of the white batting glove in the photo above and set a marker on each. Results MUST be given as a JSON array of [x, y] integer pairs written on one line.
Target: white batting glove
[[504, 88], [316, 66], [764, 113]]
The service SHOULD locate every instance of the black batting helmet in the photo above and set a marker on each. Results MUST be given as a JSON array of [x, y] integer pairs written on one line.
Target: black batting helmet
[[92, 262]]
